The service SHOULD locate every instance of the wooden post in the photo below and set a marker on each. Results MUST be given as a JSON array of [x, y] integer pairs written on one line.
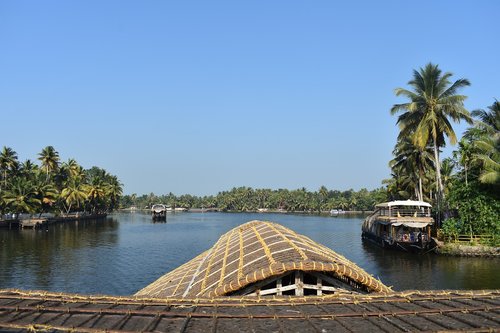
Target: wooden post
[[319, 284], [299, 285], [279, 285]]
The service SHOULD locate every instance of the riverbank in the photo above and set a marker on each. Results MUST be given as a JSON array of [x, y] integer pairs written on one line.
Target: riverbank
[[461, 250], [37, 222], [262, 210]]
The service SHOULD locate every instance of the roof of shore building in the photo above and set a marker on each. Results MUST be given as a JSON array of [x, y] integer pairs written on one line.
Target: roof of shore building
[[259, 258]]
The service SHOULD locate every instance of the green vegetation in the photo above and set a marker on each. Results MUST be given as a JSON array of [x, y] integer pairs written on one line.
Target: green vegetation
[[464, 189], [54, 187], [425, 120], [248, 199]]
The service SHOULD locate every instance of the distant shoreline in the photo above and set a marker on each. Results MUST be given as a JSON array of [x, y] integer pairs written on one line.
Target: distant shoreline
[[267, 211]]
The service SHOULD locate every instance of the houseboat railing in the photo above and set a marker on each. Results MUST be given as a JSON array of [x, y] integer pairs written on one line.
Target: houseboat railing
[[404, 213], [408, 237]]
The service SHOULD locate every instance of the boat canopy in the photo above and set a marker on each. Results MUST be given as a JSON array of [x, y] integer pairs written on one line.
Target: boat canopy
[[406, 224], [412, 224], [403, 203]]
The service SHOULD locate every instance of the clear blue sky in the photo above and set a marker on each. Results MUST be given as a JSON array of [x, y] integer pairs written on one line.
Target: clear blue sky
[[202, 96]]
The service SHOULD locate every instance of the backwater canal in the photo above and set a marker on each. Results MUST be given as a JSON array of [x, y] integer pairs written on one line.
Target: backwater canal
[[127, 251]]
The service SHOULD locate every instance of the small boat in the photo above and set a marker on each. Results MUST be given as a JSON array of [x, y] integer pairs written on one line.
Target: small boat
[[159, 212], [403, 225], [336, 212]]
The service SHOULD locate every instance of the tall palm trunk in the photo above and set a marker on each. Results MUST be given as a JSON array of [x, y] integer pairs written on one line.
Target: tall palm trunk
[[420, 192], [4, 179], [465, 168], [440, 189]]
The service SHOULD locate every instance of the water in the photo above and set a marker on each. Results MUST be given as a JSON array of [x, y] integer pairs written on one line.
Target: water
[[125, 252]]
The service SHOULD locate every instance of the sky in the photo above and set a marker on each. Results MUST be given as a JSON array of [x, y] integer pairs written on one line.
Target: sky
[[202, 96]]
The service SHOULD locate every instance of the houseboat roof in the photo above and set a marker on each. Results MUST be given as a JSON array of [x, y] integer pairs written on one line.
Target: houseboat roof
[[158, 207], [407, 311], [252, 254], [396, 203]]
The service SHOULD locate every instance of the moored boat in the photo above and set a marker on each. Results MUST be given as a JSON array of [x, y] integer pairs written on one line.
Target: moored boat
[[403, 225]]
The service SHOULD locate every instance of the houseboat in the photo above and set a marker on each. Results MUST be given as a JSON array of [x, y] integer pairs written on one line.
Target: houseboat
[[403, 225], [159, 212]]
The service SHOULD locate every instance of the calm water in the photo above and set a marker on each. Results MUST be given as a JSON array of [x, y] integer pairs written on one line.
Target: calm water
[[125, 252]]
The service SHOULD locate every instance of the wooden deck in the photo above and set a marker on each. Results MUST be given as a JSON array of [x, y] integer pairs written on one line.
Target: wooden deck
[[431, 311], [9, 224]]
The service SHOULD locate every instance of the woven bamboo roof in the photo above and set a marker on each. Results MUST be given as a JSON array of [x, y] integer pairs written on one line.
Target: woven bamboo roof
[[252, 253]]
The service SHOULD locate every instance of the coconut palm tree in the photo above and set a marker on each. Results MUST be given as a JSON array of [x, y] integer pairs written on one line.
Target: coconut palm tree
[[413, 161], [489, 155], [487, 145], [47, 193], [489, 121], [464, 156], [28, 169], [433, 102], [49, 158], [73, 194], [95, 192], [323, 196], [22, 196], [447, 169], [8, 163], [74, 169], [113, 191]]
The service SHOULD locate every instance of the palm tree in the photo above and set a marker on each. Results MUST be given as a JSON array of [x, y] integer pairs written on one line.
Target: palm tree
[[464, 156], [22, 196], [413, 161], [8, 162], [447, 168], [432, 103], [323, 196], [74, 169], [47, 193], [487, 145], [95, 192], [489, 121], [73, 194], [28, 169], [113, 191], [489, 155], [49, 158]]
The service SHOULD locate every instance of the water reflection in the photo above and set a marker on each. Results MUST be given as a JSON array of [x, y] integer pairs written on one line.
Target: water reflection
[[34, 259], [430, 271], [124, 253]]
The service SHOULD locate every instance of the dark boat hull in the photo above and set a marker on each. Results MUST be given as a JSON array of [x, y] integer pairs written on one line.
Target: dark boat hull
[[159, 217], [418, 247]]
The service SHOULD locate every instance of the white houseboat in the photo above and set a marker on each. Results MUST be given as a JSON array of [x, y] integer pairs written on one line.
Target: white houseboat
[[403, 225], [159, 212]]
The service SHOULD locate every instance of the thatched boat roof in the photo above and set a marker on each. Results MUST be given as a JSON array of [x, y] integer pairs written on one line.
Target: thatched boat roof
[[254, 253], [410, 311]]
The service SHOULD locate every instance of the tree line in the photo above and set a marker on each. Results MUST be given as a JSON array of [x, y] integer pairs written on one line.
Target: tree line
[[53, 186], [249, 199], [464, 188]]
